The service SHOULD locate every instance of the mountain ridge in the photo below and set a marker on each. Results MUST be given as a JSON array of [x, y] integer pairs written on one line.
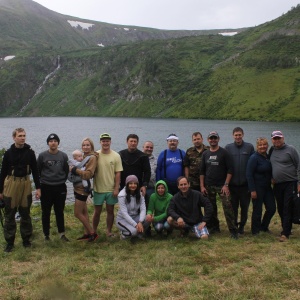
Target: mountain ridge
[[253, 75]]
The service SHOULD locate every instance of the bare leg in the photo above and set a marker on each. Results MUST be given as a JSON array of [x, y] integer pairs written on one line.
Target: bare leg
[[109, 218], [81, 213], [96, 216]]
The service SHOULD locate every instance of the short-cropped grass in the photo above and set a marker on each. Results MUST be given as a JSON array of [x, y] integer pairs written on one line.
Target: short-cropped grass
[[257, 267]]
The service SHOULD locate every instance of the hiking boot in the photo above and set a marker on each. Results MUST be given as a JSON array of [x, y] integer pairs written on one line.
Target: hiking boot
[[8, 248], [93, 237], [283, 238], [26, 244], [47, 238], [234, 235], [85, 237], [241, 230], [64, 238]]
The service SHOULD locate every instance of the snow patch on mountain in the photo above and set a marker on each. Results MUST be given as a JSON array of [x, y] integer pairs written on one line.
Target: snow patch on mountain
[[9, 57], [228, 33], [81, 24]]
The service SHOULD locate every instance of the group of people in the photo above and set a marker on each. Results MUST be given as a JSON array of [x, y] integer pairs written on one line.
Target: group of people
[[168, 192]]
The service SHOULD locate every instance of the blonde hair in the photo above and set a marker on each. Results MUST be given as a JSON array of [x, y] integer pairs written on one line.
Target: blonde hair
[[261, 140], [90, 141]]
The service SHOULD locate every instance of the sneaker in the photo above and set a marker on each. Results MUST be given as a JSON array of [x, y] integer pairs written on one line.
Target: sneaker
[[64, 238], [85, 237], [122, 237], [283, 238], [93, 237], [26, 244], [8, 248], [241, 230], [17, 217], [47, 238]]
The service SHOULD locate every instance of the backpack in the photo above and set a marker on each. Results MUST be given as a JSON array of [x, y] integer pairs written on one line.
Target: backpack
[[296, 209], [76, 178]]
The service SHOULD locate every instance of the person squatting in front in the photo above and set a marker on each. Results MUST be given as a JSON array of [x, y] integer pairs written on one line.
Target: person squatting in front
[[158, 206], [185, 210], [18, 163], [132, 210]]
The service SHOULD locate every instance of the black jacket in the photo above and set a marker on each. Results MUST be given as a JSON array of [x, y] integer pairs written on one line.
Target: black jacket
[[135, 163], [189, 208]]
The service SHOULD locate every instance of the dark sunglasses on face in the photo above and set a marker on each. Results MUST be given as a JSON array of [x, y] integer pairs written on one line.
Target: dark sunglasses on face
[[213, 138]]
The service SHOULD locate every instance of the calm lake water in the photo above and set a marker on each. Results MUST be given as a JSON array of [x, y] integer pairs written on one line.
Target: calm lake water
[[72, 130]]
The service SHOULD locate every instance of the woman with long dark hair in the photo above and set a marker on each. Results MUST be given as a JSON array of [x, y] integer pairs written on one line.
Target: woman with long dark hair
[[132, 209]]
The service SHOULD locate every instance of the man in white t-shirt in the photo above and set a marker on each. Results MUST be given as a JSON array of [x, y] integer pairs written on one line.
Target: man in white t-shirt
[[106, 183]]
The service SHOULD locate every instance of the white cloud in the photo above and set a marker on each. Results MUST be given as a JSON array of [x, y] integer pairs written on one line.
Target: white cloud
[[175, 14]]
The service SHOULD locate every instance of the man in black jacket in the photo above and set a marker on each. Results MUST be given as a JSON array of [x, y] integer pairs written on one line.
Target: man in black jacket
[[135, 162], [185, 210], [18, 163]]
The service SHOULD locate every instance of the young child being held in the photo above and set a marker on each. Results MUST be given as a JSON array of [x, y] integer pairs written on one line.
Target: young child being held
[[76, 161]]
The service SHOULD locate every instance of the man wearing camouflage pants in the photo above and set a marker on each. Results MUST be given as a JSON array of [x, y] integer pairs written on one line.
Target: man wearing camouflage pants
[[215, 175], [18, 163]]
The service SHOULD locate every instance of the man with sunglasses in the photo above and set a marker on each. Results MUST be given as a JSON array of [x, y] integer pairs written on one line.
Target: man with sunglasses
[[286, 179], [215, 175]]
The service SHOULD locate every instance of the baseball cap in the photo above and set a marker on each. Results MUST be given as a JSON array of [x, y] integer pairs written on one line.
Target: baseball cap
[[213, 133], [276, 133], [105, 136]]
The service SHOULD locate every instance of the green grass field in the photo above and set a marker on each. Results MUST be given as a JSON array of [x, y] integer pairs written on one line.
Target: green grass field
[[157, 268]]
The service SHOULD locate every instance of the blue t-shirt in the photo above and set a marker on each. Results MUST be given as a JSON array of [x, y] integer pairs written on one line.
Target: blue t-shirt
[[174, 165]]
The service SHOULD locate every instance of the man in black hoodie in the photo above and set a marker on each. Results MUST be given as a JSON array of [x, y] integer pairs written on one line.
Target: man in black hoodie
[[18, 163]]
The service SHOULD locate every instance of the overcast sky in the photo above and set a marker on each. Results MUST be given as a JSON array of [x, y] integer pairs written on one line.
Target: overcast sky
[[175, 14]]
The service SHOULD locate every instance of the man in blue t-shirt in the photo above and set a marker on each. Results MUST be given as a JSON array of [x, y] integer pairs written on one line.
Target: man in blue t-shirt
[[170, 164]]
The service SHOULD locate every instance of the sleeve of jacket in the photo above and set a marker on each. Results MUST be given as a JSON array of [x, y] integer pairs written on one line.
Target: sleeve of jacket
[[66, 165], [34, 169], [142, 209], [159, 166], [250, 170], [150, 209], [208, 208], [172, 209], [146, 170], [4, 170]]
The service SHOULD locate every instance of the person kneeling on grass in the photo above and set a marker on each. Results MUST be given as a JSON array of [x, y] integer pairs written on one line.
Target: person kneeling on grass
[[132, 209], [185, 210], [158, 206]]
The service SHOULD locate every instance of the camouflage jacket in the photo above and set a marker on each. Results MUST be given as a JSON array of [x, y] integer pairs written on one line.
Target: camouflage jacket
[[192, 160]]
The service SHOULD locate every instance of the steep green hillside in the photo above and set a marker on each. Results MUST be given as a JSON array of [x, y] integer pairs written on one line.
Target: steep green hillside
[[254, 75]]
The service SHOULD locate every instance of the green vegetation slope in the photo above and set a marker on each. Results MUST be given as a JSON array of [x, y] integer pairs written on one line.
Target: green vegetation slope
[[253, 75]]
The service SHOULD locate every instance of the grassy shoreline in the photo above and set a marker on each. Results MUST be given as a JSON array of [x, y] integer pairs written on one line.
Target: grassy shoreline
[[158, 268]]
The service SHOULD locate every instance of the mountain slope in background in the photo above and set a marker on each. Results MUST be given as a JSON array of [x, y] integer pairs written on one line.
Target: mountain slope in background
[[253, 75], [27, 24]]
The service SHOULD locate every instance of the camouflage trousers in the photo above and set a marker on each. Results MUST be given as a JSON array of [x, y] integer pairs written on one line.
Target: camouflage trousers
[[17, 197], [214, 223]]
